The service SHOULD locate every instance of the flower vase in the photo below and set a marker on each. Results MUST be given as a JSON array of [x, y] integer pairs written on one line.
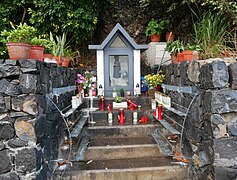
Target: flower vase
[[90, 93]]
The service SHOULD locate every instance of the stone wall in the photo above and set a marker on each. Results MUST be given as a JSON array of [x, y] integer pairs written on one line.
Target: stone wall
[[211, 125], [31, 127]]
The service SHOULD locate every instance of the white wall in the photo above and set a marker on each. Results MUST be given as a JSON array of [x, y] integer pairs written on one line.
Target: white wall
[[137, 68], [100, 68]]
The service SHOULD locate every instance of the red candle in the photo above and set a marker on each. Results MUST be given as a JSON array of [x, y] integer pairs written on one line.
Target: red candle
[[121, 116], [160, 112], [102, 103]]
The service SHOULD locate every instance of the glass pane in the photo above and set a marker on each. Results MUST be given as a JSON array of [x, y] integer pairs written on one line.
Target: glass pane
[[118, 43], [118, 70]]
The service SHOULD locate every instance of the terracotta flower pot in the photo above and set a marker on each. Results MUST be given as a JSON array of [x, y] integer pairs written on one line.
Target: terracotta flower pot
[[178, 58], [37, 52], [49, 56], [66, 62], [58, 59], [155, 38], [18, 50], [190, 55], [169, 37]]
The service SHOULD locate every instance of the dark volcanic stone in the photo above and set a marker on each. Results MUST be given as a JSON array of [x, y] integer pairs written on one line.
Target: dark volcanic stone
[[6, 166], [2, 146], [6, 131], [2, 105], [15, 143], [25, 160], [233, 75], [31, 64], [184, 73], [8, 70], [28, 83], [11, 62], [221, 101], [25, 103], [214, 75], [194, 71], [9, 176], [9, 88]]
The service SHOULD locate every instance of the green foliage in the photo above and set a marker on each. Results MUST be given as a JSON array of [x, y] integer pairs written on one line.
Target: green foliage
[[39, 41], [21, 33], [174, 47], [118, 99], [77, 17], [211, 34], [58, 46], [154, 27], [224, 6]]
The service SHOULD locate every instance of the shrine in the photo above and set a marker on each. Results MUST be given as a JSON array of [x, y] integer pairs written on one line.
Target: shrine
[[118, 62]]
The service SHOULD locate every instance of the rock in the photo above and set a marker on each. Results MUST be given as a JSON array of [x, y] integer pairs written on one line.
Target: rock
[[214, 75], [6, 166], [206, 153], [8, 70], [6, 130], [9, 88], [9, 176], [194, 71], [225, 152], [220, 101], [217, 119], [233, 75], [31, 64], [25, 160], [8, 102], [2, 146], [11, 62], [232, 128], [28, 83], [25, 129], [225, 173], [16, 143], [17, 114], [2, 105], [3, 117], [184, 73], [25, 103], [28, 70]]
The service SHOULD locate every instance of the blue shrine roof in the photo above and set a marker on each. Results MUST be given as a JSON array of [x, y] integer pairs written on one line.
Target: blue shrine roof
[[119, 28]]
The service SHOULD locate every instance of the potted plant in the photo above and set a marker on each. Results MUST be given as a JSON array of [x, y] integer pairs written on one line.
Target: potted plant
[[175, 48], [121, 92], [48, 55], [37, 49], [154, 29], [18, 41], [58, 47], [153, 81], [191, 52]]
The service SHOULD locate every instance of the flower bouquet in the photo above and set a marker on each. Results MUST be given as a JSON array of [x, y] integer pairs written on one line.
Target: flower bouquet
[[153, 81], [87, 82]]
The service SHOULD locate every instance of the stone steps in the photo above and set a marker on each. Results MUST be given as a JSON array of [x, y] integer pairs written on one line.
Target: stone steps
[[122, 151], [159, 168]]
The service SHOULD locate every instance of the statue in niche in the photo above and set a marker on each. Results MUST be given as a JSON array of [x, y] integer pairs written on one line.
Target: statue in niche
[[117, 68]]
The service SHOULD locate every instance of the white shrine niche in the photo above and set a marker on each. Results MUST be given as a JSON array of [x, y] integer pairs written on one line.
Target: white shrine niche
[[118, 62]]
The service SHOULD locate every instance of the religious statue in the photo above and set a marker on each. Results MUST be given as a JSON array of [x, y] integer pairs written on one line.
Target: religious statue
[[117, 68]]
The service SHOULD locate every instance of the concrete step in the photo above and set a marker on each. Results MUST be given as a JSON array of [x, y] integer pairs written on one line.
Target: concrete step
[[116, 130], [122, 147], [124, 151], [98, 115], [159, 168], [145, 101]]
